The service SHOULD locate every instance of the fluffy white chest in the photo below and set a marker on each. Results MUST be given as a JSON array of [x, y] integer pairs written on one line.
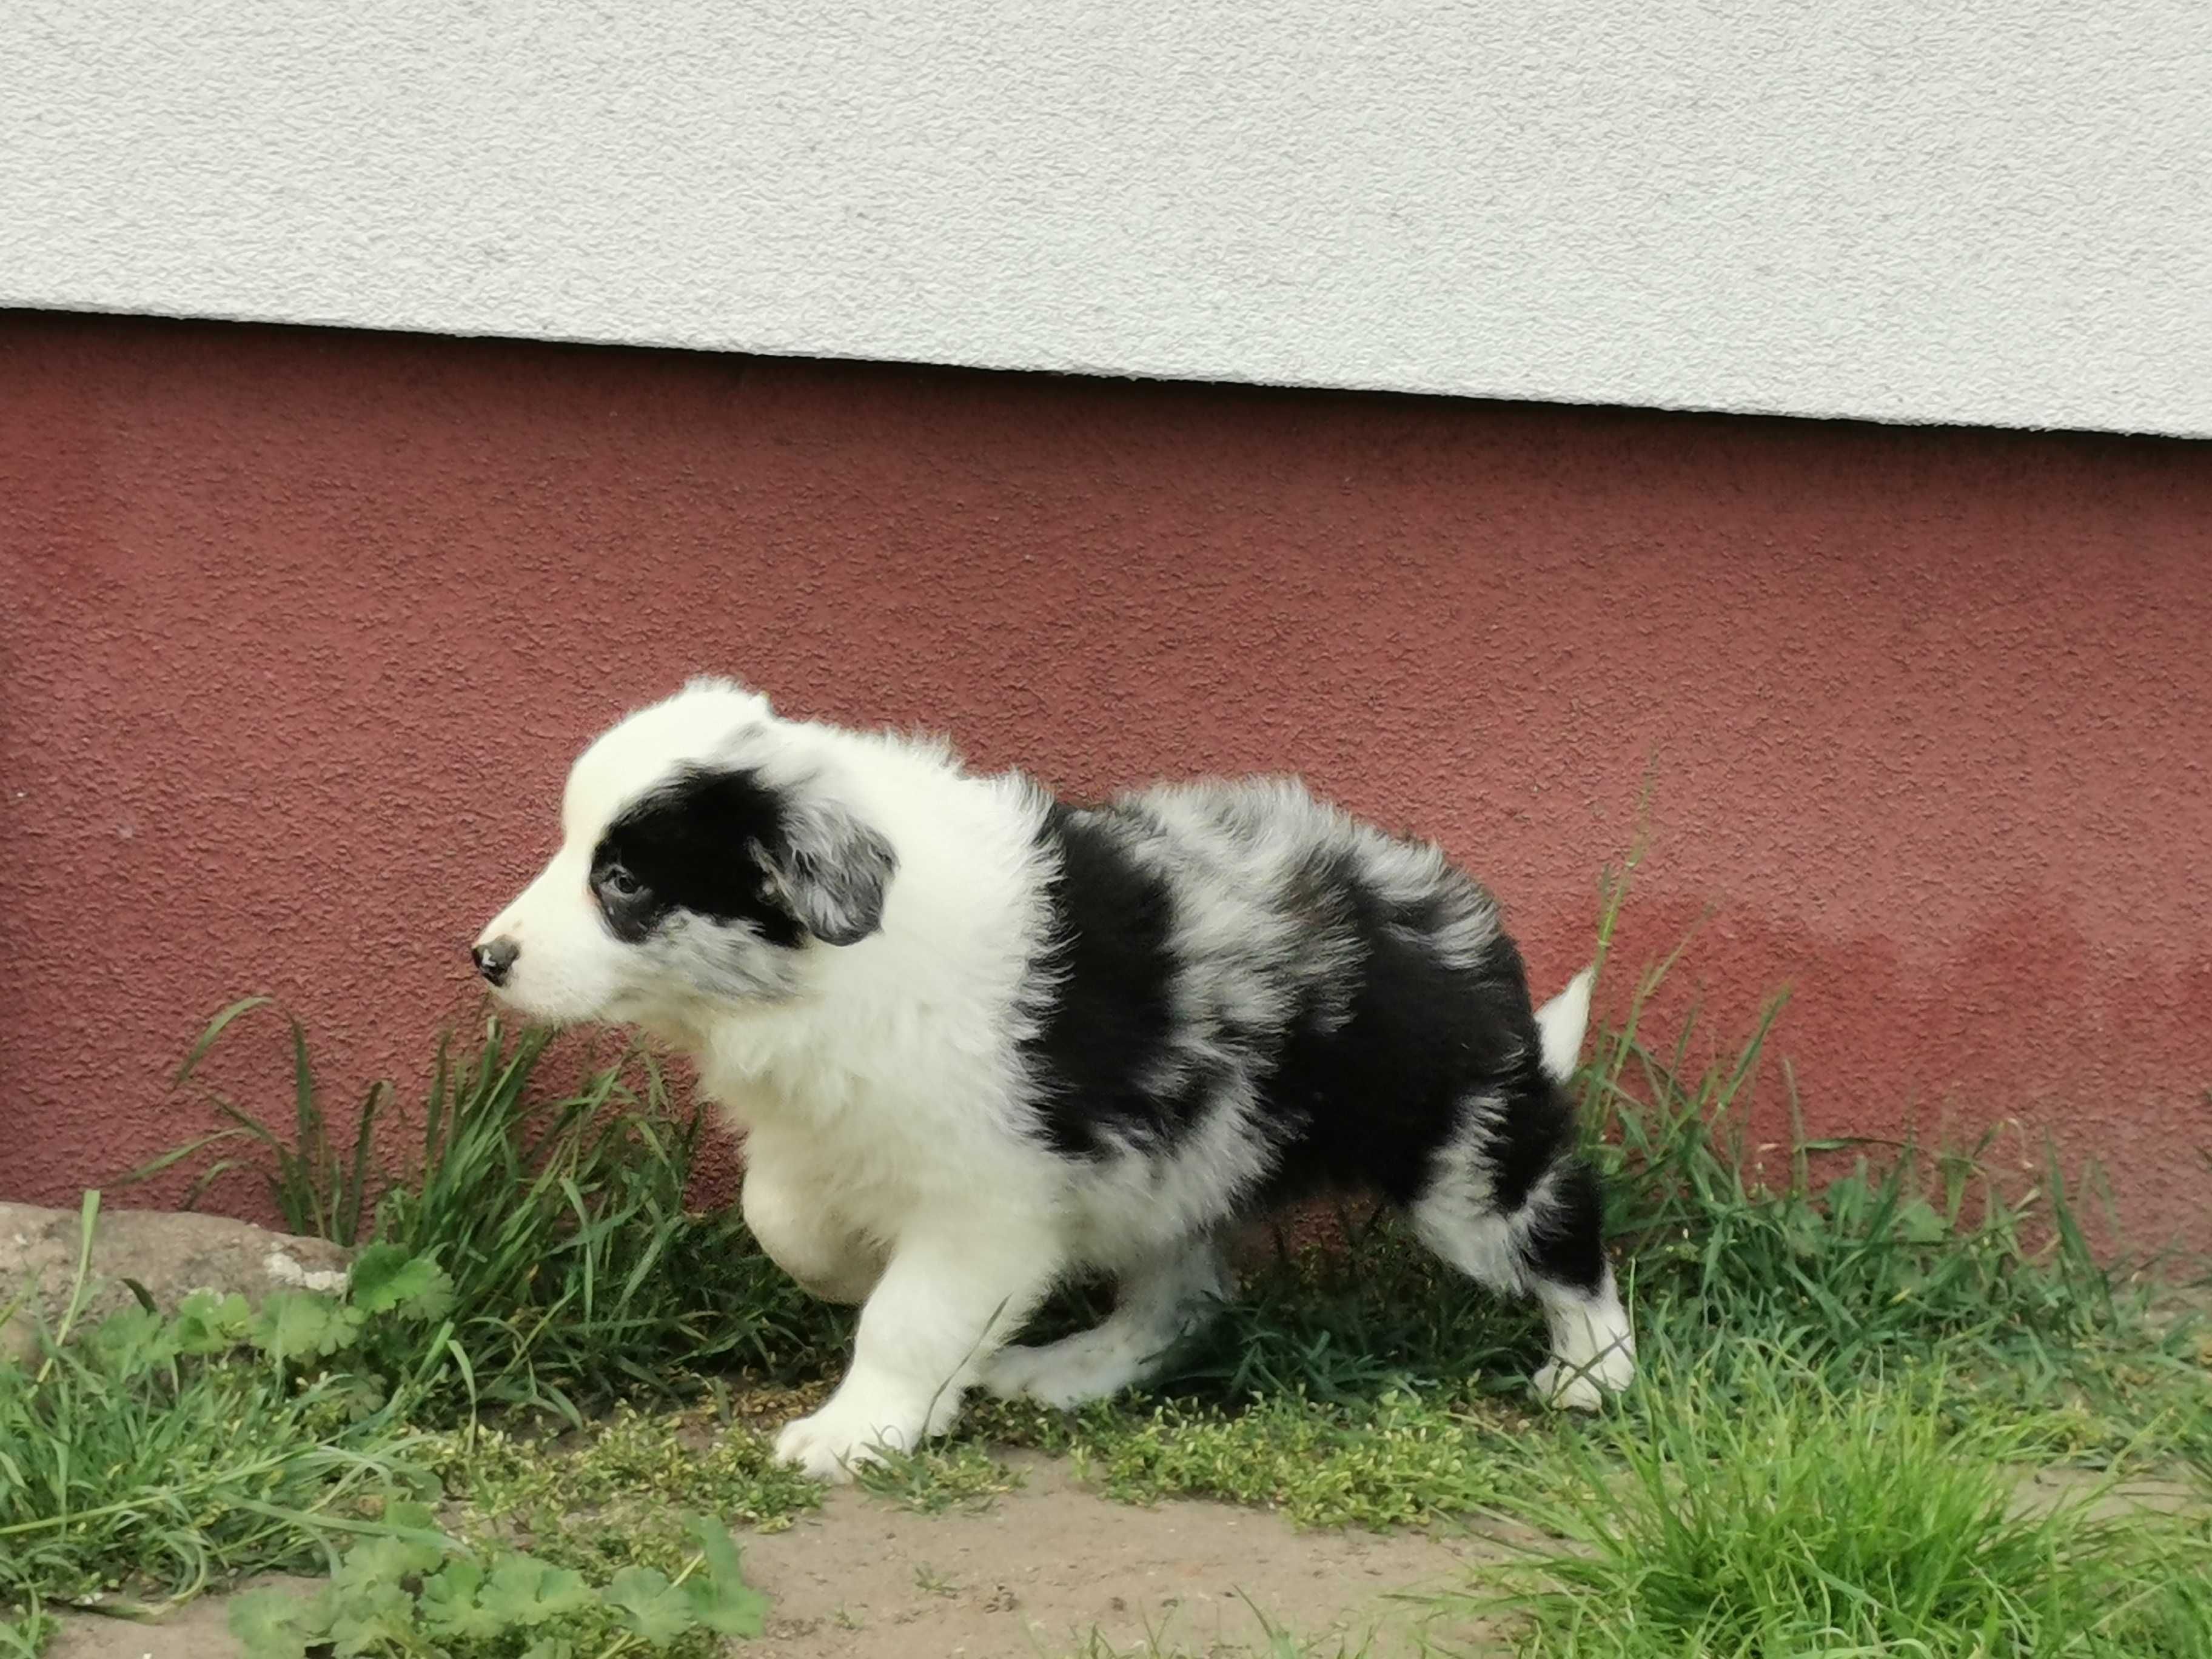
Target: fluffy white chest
[[880, 1148]]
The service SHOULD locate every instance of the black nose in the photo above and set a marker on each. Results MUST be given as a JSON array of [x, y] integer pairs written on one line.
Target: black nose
[[494, 960]]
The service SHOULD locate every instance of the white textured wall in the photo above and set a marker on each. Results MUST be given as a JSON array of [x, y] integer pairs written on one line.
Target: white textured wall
[[1979, 210]]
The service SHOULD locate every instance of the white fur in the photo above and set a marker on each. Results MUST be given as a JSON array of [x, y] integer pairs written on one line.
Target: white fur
[[1562, 1021]]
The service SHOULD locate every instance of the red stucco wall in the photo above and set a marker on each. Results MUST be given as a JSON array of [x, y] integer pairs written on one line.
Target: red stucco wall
[[302, 630]]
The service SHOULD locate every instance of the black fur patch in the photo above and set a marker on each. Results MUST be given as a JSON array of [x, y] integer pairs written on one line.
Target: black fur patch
[[1567, 1246], [691, 846], [1108, 1024], [1374, 1100], [1374, 1066]]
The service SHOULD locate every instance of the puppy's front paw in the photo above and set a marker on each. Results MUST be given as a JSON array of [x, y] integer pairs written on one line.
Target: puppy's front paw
[[827, 1450], [847, 1433]]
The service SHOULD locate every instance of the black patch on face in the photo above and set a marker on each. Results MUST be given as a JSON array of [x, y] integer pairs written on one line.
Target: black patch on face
[[697, 844]]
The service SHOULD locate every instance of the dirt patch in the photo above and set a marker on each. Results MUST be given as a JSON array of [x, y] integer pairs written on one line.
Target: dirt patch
[[198, 1630], [1032, 1576], [2052, 1488], [1040, 1571]]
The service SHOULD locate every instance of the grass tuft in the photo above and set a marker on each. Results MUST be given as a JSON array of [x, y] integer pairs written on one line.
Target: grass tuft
[[1788, 1519], [1272, 1642], [150, 1457], [1396, 1461], [605, 1498], [958, 1475]]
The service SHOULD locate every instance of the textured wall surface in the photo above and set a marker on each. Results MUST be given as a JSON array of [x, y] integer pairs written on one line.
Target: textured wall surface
[[303, 629], [1989, 211]]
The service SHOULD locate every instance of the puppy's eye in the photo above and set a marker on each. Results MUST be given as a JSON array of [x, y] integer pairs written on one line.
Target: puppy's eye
[[619, 881]]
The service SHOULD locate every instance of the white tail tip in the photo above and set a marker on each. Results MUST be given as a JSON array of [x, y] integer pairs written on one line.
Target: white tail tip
[[1562, 1023]]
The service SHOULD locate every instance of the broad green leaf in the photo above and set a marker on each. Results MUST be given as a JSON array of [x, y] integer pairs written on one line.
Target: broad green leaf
[[209, 1323], [387, 1278], [407, 1516], [650, 1606], [301, 1324], [450, 1602], [376, 1620], [379, 1561], [360, 1397], [522, 1590], [721, 1600], [275, 1624], [133, 1342]]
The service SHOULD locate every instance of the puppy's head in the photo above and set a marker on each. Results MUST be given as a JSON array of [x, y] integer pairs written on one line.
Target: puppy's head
[[705, 852]]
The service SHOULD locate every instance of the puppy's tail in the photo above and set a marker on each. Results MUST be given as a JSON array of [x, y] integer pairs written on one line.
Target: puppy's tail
[[1562, 1023]]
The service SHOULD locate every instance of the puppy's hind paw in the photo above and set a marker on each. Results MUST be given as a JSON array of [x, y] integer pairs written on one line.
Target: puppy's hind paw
[[1564, 1389], [1584, 1388]]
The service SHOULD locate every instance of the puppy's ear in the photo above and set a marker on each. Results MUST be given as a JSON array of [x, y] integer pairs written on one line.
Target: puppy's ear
[[832, 871]]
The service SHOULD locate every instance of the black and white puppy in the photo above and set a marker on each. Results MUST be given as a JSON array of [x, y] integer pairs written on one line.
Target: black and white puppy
[[979, 1040]]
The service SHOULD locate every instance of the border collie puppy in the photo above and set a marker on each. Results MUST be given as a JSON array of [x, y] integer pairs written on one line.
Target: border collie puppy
[[979, 1040]]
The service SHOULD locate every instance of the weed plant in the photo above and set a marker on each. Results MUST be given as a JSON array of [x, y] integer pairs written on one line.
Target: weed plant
[[580, 1272]]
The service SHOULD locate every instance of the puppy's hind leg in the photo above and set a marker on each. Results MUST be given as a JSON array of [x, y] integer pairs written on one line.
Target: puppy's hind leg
[[1550, 1243], [1155, 1308], [1560, 1236]]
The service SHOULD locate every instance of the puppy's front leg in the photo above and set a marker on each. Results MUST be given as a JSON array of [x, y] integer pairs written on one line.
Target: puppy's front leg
[[953, 1293], [791, 1221]]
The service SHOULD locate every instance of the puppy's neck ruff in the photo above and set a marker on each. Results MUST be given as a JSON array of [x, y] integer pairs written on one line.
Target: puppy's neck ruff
[[936, 992]]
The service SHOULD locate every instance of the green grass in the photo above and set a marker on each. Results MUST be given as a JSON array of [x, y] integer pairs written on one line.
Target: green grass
[[150, 1458], [23, 1633], [580, 1273], [1791, 1519], [155, 1456], [604, 1498], [1273, 1642], [1395, 1460], [421, 1594], [958, 1475]]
